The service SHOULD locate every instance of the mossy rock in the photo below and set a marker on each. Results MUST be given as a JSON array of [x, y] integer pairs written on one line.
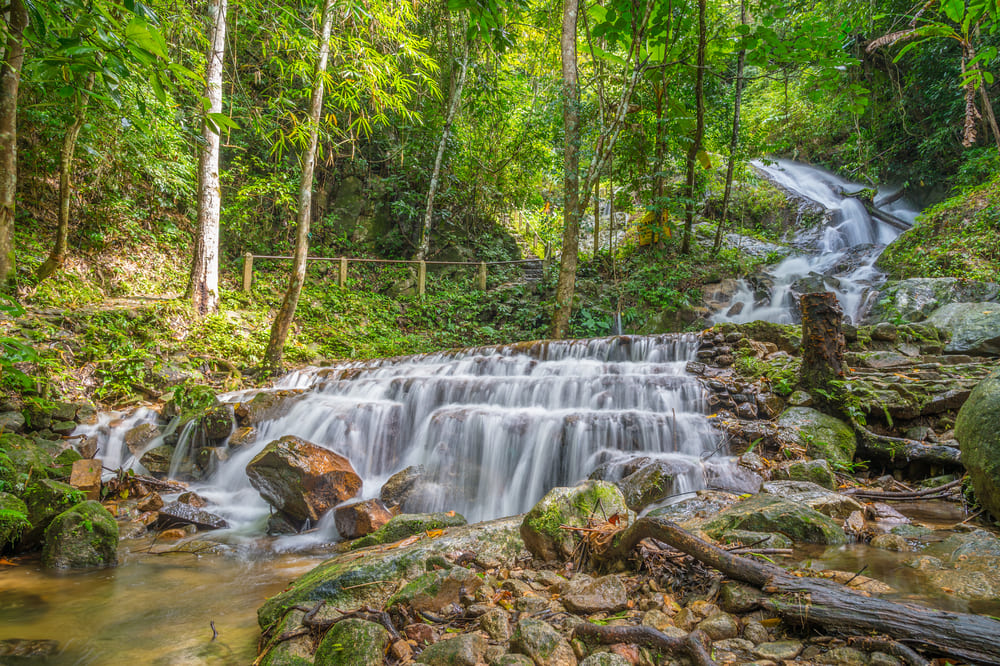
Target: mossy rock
[[463, 650], [764, 513], [812, 471], [296, 651], [30, 457], [978, 431], [218, 421], [13, 520], [436, 590], [408, 524], [83, 536], [353, 642], [822, 435], [788, 337], [568, 506], [45, 500]]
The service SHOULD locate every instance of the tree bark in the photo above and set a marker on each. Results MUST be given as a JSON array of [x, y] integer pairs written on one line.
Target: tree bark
[[58, 255], [453, 104], [283, 319], [734, 139], [203, 289], [699, 132], [10, 79], [823, 602], [823, 342], [571, 171]]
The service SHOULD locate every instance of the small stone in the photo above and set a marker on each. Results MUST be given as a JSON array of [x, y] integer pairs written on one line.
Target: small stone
[[141, 436], [893, 542], [800, 399], [421, 634], [885, 332], [686, 619], [588, 595], [496, 623], [151, 502], [464, 650], [843, 656], [720, 626], [193, 499], [12, 422], [737, 598], [512, 660], [401, 650], [172, 534], [779, 650], [883, 659], [86, 476], [732, 650], [605, 659], [543, 644], [657, 619], [756, 633]]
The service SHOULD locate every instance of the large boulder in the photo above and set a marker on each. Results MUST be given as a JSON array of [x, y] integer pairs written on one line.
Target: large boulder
[[45, 500], [653, 482], [974, 327], [978, 431], [301, 479], [765, 513], [821, 435], [218, 421], [917, 298], [83, 536], [568, 506]]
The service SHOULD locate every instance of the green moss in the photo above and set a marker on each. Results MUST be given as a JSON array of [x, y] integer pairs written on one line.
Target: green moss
[[408, 524], [13, 520]]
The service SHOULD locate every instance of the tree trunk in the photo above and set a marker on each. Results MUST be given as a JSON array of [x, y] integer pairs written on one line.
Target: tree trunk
[[597, 218], [699, 133], [823, 342], [823, 602], [283, 320], [58, 255], [734, 139], [571, 171], [453, 103], [10, 79], [203, 289]]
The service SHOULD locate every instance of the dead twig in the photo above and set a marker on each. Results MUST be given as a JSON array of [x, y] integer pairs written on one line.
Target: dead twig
[[692, 645]]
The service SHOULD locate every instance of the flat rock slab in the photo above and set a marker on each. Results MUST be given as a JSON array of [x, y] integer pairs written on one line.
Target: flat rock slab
[[178, 513]]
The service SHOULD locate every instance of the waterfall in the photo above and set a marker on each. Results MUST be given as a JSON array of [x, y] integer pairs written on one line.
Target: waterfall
[[839, 256], [494, 427]]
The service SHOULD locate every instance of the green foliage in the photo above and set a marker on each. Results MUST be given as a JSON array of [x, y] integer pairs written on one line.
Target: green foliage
[[13, 351]]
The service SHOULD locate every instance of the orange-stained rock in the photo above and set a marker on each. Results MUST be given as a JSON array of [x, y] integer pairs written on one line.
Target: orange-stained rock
[[360, 518], [86, 476]]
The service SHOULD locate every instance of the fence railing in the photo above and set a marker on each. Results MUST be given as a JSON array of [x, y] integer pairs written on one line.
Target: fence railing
[[249, 258]]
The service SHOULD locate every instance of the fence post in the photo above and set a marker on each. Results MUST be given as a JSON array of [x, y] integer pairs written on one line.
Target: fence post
[[247, 272], [482, 276], [342, 278], [421, 278]]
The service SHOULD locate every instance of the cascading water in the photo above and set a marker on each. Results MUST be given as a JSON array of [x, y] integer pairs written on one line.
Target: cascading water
[[838, 257], [494, 428]]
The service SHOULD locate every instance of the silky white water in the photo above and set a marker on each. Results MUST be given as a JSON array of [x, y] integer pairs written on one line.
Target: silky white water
[[840, 255]]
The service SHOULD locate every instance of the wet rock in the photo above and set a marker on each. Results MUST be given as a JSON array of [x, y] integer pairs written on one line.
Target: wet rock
[[885, 332], [210, 458], [720, 626], [28, 649], [420, 633], [157, 460], [605, 659], [756, 633], [651, 483], [693, 511], [756, 539], [83, 536], [408, 524], [402, 651], [463, 650], [87, 447], [800, 399], [63, 428], [12, 422], [435, 591], [893, 542], [513, 660], [178, 513], [353, 642], [302, 479], [822, 435], [882, 518], [86, 477], [765, 513], [496, 624], [779, 650], [770, 405], [242, 437], [278, 523], [360, 518], [917, 298], [296, 651], [543, 644], [13, 520], [193, 499], [218, 421], [567, 506], [140, 437], [738, 598], [978, 430], [974, 328], [733, 479], [45, 500], [266, 405], [815, 497], [402, 485], [812, 471], [589, 595], [843, 656]]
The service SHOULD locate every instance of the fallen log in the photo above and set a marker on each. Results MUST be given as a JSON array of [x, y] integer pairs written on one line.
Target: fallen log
[[693, 645], [899, 449], [886, 496], [866, 196], [824, 602]]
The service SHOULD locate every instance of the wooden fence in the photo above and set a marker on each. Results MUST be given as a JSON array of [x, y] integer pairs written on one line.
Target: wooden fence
[[248, 261]]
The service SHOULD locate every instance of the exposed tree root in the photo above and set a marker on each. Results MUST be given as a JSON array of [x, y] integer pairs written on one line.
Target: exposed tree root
[[930, 493], [823, 602], [693, 645], [899, 449]]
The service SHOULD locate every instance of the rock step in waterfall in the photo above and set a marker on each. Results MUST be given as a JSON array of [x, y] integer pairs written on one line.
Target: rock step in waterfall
[[489, 430]]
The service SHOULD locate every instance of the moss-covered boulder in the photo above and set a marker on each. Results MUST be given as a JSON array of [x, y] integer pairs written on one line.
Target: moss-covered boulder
[[812, 471], [369, 577], [437, 590], [568, 506], [31, 457], [353, 642], [83, 536], [822, 435], [916, 298], [651, 482], [407, 524], [978, 431], [765, 513], [13, 520], [218, 422], [974, 327], [45, 500]]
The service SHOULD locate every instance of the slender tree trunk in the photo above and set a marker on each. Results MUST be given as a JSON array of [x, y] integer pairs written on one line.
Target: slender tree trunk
[[453, 105], [203, 289], [283, 320], [571, 171], [58, 255], [699, 133], [10, 79], [597, 217], [734, 139]]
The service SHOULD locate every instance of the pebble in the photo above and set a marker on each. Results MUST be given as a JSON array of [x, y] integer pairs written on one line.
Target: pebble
[[779, 650]]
